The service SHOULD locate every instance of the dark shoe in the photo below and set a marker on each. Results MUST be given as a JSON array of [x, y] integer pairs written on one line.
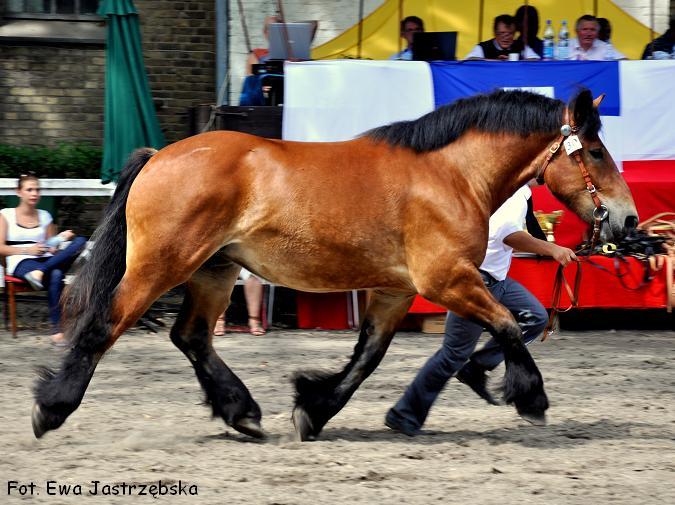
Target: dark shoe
[[475, 377], [397, 423], [34, 283]]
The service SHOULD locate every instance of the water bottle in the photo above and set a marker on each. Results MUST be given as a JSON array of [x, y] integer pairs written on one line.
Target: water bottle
[[54, 241], [563, 42], [549, 41]]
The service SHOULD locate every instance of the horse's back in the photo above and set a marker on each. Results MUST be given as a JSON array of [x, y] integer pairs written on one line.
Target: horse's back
[[272, 205]]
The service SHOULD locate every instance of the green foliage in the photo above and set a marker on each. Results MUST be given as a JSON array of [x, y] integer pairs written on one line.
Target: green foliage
[[66, 161]]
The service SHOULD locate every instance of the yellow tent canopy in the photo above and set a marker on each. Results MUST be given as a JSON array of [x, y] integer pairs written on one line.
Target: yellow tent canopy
[[380, 30]]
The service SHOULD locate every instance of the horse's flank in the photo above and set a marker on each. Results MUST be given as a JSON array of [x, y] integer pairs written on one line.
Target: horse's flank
[[271, 204]]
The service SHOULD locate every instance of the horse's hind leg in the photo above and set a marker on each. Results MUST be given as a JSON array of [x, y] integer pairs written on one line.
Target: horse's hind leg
[[319, 395], [59, 394], [207, 296]]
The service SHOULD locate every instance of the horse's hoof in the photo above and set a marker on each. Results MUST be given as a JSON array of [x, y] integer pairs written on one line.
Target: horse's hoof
[[304, 428], [535, 418], [38, 421], [249, 427]]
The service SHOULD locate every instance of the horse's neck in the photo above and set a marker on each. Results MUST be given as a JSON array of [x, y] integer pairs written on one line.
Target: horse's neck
[[509, 163]]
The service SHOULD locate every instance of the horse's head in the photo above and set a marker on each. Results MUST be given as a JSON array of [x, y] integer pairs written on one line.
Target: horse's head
[[583, 175]]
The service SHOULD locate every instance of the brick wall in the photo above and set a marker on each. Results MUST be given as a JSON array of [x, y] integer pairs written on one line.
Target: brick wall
[[50, 94], [179, 49], [55, 92]]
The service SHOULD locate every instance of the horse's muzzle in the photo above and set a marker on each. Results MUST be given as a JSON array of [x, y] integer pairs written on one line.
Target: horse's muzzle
[[630, 223], [619, 226]]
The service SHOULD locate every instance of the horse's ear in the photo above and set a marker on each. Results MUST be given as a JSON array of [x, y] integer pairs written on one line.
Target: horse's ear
[[582, 107], [598, 101]]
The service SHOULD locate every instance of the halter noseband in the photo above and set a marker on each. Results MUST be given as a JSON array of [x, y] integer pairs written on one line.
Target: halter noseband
[[573, 146]]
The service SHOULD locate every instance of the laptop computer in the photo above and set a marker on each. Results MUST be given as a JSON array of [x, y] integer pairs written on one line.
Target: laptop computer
[[433, 46], [290, 40]]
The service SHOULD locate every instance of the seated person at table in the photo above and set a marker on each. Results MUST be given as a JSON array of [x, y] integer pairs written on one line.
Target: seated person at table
[[532, 27], [503, 44], [456, 355], [605, 32], [253, 91], [24, 232], [409, 27], [663, 47], [587, 45], [261, 54]]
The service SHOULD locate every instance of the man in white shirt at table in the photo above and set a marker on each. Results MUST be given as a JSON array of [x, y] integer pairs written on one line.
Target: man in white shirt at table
[[587, 45]]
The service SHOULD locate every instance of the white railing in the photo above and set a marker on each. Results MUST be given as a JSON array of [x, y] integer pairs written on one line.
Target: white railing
[[62, 187]]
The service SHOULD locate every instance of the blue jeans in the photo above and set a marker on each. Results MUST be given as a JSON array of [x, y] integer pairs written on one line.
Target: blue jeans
[[54, 269], [459, 342]]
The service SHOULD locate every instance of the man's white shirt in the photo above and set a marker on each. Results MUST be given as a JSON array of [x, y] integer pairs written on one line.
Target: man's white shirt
[[598, 51], [507, 219]]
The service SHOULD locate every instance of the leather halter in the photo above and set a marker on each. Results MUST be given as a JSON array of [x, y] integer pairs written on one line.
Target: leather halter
[[568, 130], [600, 213]]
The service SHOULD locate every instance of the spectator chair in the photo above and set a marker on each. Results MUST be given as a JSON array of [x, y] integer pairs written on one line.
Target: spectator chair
[[13, 285]]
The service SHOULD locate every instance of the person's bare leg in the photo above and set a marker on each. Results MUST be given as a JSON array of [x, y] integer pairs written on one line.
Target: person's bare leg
[[219, 329], [253, 292], [37, 275]]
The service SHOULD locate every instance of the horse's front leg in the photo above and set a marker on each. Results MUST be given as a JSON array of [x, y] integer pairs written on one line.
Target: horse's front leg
[[465, 294], [207, 295], [321, 395]]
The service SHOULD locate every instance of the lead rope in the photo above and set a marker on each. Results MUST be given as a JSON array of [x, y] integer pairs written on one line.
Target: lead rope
[[573, 294]]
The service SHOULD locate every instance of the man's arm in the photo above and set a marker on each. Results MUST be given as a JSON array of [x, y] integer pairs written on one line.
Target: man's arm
[[522, 241], [476, 53]]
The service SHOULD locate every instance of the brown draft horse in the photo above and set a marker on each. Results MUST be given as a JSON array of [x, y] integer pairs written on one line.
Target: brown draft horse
[[401, 210]]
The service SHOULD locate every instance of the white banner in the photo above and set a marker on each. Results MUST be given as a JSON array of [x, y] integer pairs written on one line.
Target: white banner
[[337, 100]]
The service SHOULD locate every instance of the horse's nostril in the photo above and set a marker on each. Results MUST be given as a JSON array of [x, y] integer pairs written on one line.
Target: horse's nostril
[[631, 222]]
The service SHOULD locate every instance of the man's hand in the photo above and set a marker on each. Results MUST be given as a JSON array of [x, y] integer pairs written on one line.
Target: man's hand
[[563, 255], [523, 241]]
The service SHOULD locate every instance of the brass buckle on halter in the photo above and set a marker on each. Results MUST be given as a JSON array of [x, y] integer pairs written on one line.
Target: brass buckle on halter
[[554, 147]]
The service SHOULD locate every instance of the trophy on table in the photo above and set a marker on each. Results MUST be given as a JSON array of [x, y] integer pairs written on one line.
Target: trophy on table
[[548, 221]]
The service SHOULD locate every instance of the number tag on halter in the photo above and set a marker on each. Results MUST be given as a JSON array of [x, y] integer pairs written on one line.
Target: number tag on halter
[[572, 144]]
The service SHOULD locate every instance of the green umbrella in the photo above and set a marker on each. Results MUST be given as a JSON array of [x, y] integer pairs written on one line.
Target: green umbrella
[[130, 119]]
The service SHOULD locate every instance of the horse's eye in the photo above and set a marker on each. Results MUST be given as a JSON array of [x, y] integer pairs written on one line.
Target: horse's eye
[[596, 153]]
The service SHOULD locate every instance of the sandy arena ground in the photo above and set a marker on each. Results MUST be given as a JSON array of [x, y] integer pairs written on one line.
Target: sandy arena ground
[[610, 438]]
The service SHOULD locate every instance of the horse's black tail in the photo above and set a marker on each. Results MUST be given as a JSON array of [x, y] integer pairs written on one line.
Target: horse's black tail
[[87, 302]]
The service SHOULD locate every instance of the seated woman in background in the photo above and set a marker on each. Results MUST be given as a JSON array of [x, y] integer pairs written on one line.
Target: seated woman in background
[[261, 54], [24, 235]]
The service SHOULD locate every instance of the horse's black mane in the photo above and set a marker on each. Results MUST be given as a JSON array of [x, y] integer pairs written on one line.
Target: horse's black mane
[[514, 112]]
